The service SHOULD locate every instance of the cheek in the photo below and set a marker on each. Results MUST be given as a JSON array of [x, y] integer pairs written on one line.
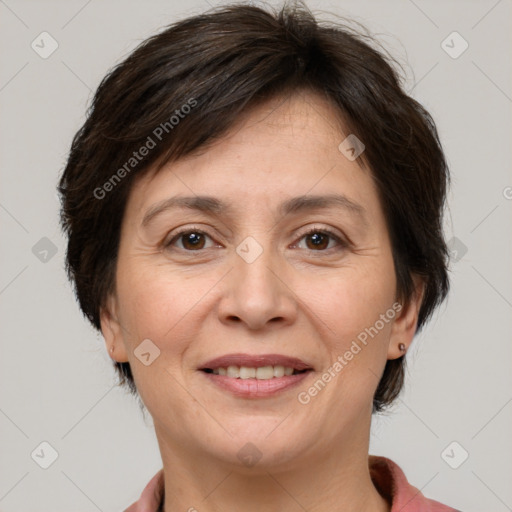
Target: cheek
[[162, 305], [354, 301], [358, 309]]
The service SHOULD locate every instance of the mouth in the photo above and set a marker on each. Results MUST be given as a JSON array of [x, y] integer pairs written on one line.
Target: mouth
[[255, 376], [262, 367], [260, 373]]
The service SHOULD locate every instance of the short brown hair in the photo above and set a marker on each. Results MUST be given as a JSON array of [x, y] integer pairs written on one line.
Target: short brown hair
[[219, 64]]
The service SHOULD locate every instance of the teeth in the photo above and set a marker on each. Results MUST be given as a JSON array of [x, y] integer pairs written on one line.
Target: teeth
[[264, 372], [261, 373], [247, 373], [233, 371], [278, 371]]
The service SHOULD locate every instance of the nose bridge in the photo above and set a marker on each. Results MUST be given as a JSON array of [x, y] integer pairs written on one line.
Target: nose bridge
[[253, 262], [257, 293]]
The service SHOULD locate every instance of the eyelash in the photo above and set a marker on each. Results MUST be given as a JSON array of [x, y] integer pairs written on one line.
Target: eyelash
[[342, 244]]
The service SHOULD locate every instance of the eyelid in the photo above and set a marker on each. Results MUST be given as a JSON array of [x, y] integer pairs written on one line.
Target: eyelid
[[171, 238], [341, 239]]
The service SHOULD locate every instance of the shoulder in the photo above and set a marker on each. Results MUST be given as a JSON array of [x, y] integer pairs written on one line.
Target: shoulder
[[151, 499], [390, 481]]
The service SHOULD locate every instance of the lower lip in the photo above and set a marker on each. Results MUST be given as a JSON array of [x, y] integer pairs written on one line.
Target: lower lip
[[255, 388]]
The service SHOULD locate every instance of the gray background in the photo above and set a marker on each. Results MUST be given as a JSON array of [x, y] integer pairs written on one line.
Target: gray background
[[56, 380]]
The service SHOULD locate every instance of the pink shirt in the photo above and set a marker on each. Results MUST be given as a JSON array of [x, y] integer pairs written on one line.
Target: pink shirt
[[387, 477]]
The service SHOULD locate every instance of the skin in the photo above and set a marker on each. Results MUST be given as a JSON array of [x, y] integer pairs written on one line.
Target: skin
[[294, 299]]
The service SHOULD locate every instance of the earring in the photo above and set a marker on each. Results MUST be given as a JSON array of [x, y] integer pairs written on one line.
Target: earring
[[401, 347], [112, 351]]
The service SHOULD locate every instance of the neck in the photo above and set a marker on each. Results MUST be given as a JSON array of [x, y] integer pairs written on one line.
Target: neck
[[327, 480]]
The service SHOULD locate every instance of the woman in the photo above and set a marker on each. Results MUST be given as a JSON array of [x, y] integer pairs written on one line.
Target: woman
[[254, 212]]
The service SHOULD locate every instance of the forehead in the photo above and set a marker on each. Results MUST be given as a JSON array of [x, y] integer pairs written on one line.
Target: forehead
[[285, 147]]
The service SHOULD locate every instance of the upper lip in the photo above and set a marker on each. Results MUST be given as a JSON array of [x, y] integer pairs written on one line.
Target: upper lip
[[255, 361]]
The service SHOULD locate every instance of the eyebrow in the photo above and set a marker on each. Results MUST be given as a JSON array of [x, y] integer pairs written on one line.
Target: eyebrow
[[212, 205]]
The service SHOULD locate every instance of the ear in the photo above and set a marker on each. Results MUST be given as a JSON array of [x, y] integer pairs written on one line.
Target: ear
[[406, 321], [112, 331]]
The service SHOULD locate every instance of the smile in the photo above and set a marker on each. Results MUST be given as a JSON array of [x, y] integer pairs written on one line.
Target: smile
[[260, 373], [255, 376]]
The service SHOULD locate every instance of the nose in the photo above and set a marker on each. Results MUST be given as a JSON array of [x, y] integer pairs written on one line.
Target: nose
[[258, 294]]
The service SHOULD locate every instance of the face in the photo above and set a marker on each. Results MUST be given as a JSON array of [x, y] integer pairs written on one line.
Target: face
[[286, 268]]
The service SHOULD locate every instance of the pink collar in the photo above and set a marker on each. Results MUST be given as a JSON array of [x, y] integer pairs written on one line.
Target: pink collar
[[387, 477]]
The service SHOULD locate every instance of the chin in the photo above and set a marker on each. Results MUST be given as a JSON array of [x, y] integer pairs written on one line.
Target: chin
[[259, 446]]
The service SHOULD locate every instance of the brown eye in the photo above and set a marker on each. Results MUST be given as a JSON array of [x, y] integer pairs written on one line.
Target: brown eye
[[318, 240], [191, 240]]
